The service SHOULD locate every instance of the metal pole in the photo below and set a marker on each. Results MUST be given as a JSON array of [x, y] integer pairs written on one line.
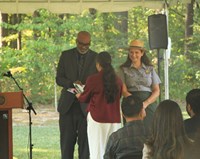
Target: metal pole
[[158, 56], [166, 58]]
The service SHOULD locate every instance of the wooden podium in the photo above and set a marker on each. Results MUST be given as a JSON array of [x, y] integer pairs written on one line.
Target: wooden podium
[[8, 101]]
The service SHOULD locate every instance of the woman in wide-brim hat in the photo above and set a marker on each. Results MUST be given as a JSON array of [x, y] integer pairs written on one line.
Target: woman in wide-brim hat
[[140, 79]]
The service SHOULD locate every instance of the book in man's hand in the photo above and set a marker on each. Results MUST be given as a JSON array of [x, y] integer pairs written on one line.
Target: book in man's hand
[[78, 88]]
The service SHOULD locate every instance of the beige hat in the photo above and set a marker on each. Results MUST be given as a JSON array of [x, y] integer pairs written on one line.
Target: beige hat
[[137, 43]]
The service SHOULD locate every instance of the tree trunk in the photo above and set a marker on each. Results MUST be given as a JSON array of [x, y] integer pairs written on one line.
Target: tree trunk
[[36, 33], [13, 21], [4, 31], [189, 26], [19, 39], [123, 28], [121, 25]]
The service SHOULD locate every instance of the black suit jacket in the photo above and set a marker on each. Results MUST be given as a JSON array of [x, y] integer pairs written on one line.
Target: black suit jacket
[[192, 127], [67, 73]]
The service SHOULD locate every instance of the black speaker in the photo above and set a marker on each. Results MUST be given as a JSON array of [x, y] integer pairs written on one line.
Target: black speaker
[[4, 152], [157, 29]]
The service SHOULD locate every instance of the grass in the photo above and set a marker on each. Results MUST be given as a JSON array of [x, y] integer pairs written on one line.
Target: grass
[[45, 140]]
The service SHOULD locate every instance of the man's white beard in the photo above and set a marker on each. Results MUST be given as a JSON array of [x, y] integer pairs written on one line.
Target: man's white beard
[[82, 52]]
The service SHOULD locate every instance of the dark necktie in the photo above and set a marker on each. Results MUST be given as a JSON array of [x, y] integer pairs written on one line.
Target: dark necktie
[[81, 65]]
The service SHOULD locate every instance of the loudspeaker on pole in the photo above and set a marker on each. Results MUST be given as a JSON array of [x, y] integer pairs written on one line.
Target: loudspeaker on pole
[[157, 29]]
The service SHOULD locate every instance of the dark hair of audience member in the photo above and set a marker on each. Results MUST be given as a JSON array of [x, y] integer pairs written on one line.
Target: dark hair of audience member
[[111, 88], [193, 99], [131, 106], [168, 140]]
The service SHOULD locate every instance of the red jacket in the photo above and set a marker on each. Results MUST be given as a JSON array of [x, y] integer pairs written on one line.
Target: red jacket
[[98, 107]]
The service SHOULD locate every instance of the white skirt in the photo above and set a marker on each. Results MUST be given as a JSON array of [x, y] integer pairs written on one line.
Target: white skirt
[[98, 134]]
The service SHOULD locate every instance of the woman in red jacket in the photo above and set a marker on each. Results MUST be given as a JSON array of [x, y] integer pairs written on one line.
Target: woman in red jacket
[[102, 92]]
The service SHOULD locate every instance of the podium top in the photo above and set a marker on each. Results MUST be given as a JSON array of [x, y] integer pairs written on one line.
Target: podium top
[[9, 100]]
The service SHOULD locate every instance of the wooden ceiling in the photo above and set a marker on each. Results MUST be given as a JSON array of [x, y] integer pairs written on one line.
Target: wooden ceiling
[[77, 6]]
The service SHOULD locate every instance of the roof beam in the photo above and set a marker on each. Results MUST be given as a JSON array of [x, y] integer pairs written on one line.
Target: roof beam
[[77, 6]]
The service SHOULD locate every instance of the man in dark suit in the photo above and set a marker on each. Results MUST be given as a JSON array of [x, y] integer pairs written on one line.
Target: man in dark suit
[[74, 66], [192, 125]]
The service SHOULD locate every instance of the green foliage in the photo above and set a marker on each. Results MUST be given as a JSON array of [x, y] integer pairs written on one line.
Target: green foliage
[[45, 35], [138, 24]]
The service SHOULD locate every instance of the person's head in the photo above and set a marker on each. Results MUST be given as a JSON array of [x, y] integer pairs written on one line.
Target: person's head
[[193, 102], [168, 134], [136, 51], [104, 64], [83, 41], [136, 54], [168, 116], [132, 108], [103, 60]]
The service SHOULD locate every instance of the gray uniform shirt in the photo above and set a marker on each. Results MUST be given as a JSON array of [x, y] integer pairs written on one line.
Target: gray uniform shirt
[[141, 79]]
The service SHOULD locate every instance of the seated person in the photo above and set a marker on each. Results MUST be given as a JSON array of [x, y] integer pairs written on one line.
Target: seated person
[[192, 125], [168, 139], [127, 142]]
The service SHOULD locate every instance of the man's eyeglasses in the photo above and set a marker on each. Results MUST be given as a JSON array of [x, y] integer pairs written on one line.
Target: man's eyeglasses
[[83, 44]]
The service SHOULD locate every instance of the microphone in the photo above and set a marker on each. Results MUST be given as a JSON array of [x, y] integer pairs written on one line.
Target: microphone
[[7, 74]]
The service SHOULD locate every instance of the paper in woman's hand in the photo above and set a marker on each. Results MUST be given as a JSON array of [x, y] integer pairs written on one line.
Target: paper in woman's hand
[[79, 88]]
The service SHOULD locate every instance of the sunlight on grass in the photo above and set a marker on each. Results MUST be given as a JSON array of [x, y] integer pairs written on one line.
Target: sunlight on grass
[[45, 140], [45, 150]]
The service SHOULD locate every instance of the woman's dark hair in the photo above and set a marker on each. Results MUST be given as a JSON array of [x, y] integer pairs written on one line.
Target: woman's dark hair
[[144, 60], [168, 139], [111, 88]]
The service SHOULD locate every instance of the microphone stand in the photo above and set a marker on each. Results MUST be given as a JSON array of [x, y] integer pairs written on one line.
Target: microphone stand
[[29, 108]]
